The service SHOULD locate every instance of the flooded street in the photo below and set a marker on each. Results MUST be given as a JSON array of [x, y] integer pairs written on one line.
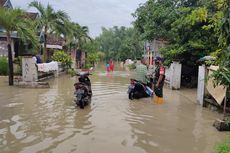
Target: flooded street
[[47, 120]]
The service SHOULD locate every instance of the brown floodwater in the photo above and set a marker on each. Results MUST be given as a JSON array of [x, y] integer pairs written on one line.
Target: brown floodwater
[[47, 120]]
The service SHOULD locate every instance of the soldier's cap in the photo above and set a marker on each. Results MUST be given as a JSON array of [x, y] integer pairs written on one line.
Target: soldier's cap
[[158, 58]]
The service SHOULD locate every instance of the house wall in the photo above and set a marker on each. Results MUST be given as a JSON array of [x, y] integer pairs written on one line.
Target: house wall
[[156, 45], [3, 48], [152, 49], [80, 59]]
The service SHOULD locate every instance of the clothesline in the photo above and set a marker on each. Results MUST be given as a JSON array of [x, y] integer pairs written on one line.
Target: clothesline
[[47, 67]]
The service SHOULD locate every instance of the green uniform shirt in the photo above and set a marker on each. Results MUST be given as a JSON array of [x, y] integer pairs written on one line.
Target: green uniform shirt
[[140, 73]]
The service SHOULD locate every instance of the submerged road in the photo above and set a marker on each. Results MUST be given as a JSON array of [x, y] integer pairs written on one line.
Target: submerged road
[[47, 120]]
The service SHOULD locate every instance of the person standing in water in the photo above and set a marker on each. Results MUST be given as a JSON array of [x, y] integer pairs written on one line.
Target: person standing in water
[[158, 81], [107, 67], [111, 65]]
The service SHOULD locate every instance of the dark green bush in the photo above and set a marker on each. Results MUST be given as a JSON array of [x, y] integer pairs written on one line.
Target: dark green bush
[[3, 66]]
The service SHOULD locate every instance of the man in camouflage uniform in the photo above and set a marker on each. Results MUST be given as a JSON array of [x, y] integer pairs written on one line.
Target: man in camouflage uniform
[[158, 81]]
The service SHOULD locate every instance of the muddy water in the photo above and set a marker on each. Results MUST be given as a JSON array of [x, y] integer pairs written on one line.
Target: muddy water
[[46, 120]]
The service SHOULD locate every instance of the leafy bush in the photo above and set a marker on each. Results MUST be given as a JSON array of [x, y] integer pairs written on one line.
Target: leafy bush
[[61, 56], [132, 66], [71, 71], [93, 58], [224, 148], [3, 66], [18, 66]]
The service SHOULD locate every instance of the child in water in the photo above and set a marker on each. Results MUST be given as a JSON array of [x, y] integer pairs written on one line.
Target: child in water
[[107, 67]]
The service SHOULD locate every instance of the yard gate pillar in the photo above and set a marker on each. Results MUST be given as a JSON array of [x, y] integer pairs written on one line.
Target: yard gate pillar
[[29, 69], [175, 75], [201, 85]]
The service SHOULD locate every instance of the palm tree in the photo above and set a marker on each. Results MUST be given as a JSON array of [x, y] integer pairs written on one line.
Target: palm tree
[[49, 20], [15, 20], [74, 34], [83, 36]]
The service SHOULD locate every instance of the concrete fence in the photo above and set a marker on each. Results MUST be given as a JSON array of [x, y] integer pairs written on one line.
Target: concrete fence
[[173, 75], [30, 72], [207, 88]]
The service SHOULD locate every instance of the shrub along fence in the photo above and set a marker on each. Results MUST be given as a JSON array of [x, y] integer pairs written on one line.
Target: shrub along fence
[[3, 66]]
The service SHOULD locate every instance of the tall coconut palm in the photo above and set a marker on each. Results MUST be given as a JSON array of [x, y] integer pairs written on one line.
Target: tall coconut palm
[[49, 20], [81, 35], [74, 34], [15, 20]]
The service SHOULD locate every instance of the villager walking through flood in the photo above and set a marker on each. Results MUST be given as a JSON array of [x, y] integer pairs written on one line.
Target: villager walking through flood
[[111, 65], [107, 67]]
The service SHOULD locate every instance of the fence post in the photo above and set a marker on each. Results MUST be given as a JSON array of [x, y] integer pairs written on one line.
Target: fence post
[[201, 85], [29, 69], [175, 75]]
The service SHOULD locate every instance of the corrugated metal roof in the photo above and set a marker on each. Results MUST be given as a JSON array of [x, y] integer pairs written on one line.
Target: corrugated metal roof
[[2, 2]]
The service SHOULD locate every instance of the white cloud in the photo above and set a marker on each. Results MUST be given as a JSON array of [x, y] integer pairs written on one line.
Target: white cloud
[[93, 13]]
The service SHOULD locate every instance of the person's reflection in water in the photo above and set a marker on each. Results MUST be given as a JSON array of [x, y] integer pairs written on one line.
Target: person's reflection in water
[[109, 75]]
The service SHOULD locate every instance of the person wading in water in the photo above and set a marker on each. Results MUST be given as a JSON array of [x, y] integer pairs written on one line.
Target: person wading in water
[[111, 65], [159, 80]]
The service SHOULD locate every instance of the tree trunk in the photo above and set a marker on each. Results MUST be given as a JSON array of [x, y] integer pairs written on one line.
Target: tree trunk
[[45, 45], [10, 61]]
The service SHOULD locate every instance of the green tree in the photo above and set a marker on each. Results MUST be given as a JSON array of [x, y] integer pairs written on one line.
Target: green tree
[[120, 43], [191, 27], [15, 20], [154, 19], [49, 20], [222, 75], [61, 56]]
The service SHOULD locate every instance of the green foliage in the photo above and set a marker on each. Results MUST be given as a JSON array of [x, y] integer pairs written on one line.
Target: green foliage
[[120, 43], [50, 21], [191, 27], [3, 66], [222, 75], [61, 56], [18, 65], [101, 55], [71, 71], [132, 66], [76, 35], [93, 58], [224, 148], [93, 55], [16, 20]]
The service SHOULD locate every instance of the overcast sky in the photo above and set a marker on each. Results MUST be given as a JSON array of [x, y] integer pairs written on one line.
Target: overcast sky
[[92, 13]]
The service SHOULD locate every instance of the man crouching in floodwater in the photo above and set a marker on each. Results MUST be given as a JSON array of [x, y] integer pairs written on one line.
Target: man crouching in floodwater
[[139, 86], [158, 81]]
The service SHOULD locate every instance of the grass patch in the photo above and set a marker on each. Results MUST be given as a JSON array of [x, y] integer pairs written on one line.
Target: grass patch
[[3, 66], [224, 147]]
